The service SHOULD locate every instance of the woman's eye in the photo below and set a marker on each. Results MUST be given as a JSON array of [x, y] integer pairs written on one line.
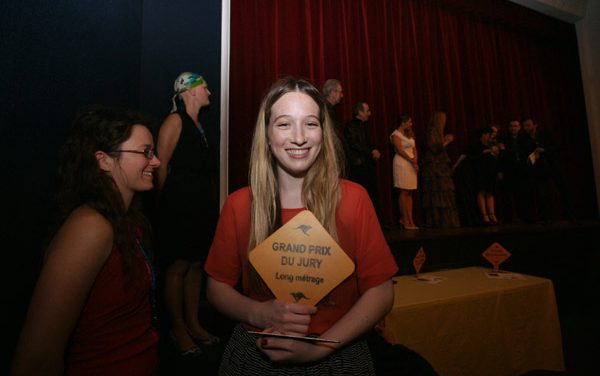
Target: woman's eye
[[313, 125]]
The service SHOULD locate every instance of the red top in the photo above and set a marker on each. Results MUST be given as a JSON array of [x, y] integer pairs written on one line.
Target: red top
[[114, 334], [359, 234]]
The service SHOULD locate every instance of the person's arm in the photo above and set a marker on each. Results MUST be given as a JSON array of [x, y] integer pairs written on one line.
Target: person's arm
[[168, 136], [375, 153], [74, 259], [458, 162], [416, 158], [400, 151], [291, 318], [224, 269], [369, 309]]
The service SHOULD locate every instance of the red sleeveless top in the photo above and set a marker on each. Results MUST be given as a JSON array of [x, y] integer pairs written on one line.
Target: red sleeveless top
[[114, 334]]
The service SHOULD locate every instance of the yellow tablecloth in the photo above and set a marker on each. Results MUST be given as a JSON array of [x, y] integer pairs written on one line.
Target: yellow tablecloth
[[470, 324]]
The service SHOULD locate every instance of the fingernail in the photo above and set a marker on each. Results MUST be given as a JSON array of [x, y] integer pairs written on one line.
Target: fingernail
[[263, 342]]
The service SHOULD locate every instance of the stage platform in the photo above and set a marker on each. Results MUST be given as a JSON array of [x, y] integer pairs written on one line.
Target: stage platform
[[535, 248]]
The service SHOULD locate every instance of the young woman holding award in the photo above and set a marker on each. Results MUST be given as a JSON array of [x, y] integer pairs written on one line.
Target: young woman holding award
[[295, 164]]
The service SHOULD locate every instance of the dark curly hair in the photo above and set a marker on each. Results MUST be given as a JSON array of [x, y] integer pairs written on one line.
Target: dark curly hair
[[81, 181]]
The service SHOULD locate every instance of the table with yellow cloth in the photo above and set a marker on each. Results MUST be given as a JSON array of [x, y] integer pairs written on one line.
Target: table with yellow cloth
[[470, 324]]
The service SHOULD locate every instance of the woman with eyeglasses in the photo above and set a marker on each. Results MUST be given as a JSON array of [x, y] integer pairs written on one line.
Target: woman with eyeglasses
[[188, 210], [92, 309]]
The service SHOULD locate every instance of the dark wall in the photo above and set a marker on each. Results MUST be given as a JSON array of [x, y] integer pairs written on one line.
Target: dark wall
[[178, 36], [56, 57], [59, 56]]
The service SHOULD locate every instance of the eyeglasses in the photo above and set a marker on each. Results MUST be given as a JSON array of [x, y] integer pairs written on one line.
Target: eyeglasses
[[148, 152]]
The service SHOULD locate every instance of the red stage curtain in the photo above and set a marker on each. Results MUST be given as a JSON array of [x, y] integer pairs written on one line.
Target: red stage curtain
[[480, 61]]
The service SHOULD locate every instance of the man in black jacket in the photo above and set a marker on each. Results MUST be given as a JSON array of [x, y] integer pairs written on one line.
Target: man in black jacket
[[361, 153]]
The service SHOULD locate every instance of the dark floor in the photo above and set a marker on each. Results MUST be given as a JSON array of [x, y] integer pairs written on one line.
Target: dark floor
[[173, 364], [568, 253]]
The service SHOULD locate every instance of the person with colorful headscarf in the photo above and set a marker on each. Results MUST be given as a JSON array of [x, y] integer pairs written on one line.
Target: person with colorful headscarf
[[188, 209]]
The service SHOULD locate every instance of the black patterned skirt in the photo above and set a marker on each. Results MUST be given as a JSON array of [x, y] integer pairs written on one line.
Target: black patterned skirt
[[243, 357]]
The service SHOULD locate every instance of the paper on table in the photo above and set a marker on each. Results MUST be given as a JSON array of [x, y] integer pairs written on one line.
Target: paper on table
[[504, 275], [433, 279]]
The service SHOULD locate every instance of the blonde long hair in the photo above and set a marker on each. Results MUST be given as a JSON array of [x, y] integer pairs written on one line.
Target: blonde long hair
[[321, 188]]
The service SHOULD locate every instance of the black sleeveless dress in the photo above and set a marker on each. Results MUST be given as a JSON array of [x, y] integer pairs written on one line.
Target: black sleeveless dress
[[189, 202]]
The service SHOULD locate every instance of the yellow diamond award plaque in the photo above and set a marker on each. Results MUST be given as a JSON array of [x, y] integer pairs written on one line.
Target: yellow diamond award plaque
[[301, 262]]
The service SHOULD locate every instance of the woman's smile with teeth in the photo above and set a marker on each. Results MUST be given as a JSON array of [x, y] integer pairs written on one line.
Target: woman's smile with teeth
[[297, 152], [294, 134]]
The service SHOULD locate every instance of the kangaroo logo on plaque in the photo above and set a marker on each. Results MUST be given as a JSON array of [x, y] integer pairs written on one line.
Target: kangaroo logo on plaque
[[301, 262]]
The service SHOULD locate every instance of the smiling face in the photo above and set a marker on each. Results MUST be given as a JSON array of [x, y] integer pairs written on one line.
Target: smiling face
[[295, 134], [131, 171]]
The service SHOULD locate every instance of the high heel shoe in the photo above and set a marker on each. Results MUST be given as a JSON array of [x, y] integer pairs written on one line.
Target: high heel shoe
[[486, 220], [493, 219], [211, 340], [191, 352]]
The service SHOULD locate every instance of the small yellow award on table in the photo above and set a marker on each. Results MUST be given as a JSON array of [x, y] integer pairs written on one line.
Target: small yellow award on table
[[496, 255], [419, 260]]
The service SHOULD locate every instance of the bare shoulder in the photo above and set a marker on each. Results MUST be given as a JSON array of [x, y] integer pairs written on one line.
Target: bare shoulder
[[171, 122], [73, 261], [169, 131], [85, 231], [85, 217]]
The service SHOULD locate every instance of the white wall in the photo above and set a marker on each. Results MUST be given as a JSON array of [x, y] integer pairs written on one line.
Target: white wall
[[566, 10], [588, 37]]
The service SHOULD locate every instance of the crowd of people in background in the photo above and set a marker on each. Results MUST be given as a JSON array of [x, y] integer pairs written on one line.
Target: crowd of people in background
[[94, 309], [502, 176], [511, 175]]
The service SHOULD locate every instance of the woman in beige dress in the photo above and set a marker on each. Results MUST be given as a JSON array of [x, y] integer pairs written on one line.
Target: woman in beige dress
[[405, 169]]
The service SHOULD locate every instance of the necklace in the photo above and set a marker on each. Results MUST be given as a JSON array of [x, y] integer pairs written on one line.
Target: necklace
[[150, 269], [201, 130]]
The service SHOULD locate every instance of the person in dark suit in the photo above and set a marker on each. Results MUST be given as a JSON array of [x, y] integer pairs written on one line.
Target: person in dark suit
[[361, 153], [546, 171]]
